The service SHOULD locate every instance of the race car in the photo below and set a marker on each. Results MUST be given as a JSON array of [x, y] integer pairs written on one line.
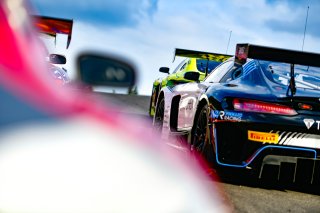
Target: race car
[[257, 111], [58, 72], [196, 61], [52, 26]]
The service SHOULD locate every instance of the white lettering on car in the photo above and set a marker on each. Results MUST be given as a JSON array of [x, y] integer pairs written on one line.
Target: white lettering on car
[[309, 123], [221, 115], [227, 116]]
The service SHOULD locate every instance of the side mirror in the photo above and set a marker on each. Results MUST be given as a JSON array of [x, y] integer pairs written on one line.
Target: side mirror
[[99, 70], [57, 59], [193, 76], [164, 70]]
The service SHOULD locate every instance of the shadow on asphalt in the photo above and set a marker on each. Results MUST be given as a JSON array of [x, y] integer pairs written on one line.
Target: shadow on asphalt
[[241, 178]]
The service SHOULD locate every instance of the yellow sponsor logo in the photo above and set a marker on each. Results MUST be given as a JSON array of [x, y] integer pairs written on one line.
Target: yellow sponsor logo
[[263, 137]]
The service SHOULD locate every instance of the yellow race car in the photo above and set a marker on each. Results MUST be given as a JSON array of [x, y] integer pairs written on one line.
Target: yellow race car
[[195, 62]]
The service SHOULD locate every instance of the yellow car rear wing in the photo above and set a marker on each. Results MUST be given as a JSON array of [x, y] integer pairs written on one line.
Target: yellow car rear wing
[[202, 55]]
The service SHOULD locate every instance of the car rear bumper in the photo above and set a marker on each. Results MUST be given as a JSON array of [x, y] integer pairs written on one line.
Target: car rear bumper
[[261, 142], [291, 169]]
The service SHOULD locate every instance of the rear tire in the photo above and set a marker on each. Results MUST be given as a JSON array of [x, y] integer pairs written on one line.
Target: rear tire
[[203, 143], [159, 115], [150, 106], [153, 101], [200, 136]]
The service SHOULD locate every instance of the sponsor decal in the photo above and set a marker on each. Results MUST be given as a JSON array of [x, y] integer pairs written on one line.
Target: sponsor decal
[[215, 114], [190, 105], [263, 137], [309, 123], [227, 116]]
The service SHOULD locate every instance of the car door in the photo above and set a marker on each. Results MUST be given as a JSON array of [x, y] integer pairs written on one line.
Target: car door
[[192, 93]]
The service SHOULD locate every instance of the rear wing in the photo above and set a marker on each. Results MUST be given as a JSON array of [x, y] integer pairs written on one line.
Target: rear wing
[[245, 51], [202, 55], [53, 26]]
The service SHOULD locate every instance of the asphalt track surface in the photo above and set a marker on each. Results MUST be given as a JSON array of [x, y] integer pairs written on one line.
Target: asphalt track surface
[[253, 195], [243, 194]]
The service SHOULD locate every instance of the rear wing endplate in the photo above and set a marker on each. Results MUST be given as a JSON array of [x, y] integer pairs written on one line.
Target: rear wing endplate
[[53, 26], [202, 55], [245, 51]]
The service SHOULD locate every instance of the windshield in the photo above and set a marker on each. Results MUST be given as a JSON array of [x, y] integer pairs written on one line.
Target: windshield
[[182, 63], [202, 64], [305, 76]]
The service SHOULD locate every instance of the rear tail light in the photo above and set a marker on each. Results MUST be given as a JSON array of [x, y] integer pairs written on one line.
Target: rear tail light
[[262, 107], [305, 106]]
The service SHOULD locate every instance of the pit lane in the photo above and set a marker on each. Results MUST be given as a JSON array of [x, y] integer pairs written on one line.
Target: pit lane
[[242, 195]]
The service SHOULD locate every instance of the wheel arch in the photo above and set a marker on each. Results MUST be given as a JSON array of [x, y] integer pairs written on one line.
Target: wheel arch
[[154, 98], [214, 103], [209, 149], [203, 101], [160, 95]]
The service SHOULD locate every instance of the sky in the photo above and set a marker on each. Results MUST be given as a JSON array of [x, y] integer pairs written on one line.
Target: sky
[[145, 32]]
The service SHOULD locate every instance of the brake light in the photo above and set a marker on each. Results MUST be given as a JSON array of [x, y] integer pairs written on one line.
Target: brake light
[[305, 106], [262, 107]]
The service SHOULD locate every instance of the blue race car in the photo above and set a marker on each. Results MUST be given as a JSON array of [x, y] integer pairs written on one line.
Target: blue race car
[[258, 111]]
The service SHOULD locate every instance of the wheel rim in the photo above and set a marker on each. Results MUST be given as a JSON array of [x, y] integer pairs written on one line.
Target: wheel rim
[[199, 136], [158, 119]]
